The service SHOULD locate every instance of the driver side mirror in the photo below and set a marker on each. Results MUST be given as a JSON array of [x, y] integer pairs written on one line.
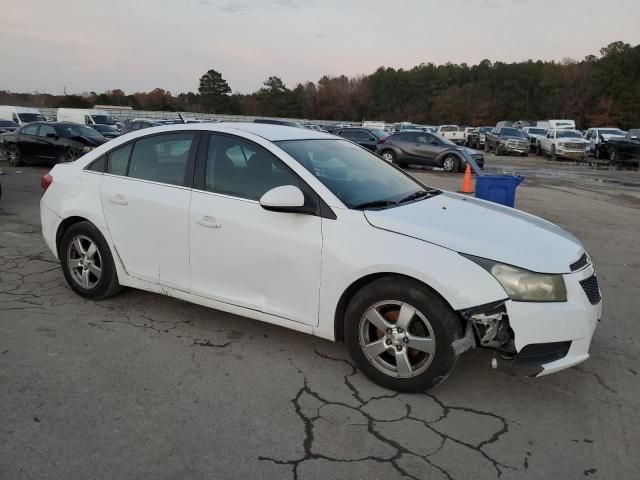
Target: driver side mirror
[[287, 198], [52, 135]]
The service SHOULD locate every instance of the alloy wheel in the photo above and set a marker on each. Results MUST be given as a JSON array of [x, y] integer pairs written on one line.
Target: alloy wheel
[[84, 261], [70, 155], [387, 156], [12, 155], [397, 339], [449, 164]]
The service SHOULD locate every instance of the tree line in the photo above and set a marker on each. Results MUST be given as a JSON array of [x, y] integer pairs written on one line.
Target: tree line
[[599, 90]]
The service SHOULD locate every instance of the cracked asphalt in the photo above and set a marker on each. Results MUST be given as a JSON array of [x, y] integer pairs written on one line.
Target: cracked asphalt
[[146, 386]]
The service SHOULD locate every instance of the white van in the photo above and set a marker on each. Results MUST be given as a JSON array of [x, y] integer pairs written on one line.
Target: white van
[[557, 124], [85, 116], [21, 115]]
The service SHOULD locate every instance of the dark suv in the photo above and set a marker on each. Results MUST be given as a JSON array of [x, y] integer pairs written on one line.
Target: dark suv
[[428, 149], [365, 137]]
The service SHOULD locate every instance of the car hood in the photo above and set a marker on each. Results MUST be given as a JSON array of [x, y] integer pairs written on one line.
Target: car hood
[[484, 229], [471, 151], [512, 137], [607, 136], [89, 141]]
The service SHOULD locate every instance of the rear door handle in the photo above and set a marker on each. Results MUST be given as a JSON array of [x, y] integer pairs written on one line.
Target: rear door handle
[[208, 221], [119, 200]]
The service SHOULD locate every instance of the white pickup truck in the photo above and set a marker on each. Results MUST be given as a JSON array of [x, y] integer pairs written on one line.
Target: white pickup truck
[[451, 132], [561, 142]]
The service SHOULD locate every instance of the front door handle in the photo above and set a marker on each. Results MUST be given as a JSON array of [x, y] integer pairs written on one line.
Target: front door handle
[[119, 200], [208, 221]]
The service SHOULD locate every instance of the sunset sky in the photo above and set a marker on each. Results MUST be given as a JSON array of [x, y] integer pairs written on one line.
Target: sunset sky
[[90, 45]]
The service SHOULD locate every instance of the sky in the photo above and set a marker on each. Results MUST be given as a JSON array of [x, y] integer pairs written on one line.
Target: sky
[[138, 45]]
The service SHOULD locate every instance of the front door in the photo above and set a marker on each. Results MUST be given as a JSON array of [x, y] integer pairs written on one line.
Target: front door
[[242, 254], [45, 147], [145, 197]]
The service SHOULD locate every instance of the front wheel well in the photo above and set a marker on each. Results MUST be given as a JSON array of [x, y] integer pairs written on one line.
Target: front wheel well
[[355, 287], [64, 226]]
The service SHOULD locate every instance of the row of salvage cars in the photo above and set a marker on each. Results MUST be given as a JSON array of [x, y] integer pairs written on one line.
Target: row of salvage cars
[[608, 145]]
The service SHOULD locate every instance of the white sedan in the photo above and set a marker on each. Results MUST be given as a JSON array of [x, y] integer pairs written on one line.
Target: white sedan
[[309, 231]]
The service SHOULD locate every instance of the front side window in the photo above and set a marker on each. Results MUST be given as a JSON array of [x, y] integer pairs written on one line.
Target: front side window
[[118, 160], [161, 158], [356, 176], [242, 169]]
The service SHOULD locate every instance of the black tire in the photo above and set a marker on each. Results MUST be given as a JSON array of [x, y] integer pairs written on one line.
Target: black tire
[[13, 155], [538, 150], [444, 323], [390, 154], [614, 157], [524, 154], [553, 153], [107, 284], [497, 151], [486, 146], [597, 154], [69, 155], [451, 164]]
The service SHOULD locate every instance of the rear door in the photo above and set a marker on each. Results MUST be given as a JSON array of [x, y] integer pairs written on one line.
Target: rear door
[[28, 141], [145, 193]]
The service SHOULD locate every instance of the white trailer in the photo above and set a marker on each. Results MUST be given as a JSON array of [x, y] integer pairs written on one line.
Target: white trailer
[[556, 124]]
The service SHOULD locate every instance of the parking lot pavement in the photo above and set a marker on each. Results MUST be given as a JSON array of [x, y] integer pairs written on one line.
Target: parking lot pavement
[[146, 386]]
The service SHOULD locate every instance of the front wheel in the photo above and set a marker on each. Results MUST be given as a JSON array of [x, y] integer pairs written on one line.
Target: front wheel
[[498, 151], [450, 164], [486, 146], [538, 150], [70, 155], [399, 333], [614, 157], [553, 152], [87, 262], [13, 156]]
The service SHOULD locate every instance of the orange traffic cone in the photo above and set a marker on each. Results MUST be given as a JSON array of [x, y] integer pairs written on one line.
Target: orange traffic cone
[[467, 184]]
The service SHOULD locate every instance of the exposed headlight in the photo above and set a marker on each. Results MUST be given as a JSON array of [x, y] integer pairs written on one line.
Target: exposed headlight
[[86, 149], [522, 285]]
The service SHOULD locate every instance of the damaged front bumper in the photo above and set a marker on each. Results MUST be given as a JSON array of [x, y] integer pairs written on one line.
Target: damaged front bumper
[[540, 337]]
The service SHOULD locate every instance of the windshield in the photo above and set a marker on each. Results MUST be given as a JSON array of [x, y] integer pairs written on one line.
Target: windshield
[[105, 128], [610, 131], [485, 129], [353, 174], [537, 131], [510, 132], [103, 119], [69, 131], [8, 123], [568, 134], [31, 117], [449, 129]]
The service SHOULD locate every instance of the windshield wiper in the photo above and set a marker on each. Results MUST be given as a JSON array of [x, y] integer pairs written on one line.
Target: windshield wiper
[[374, 204], [415, 195]]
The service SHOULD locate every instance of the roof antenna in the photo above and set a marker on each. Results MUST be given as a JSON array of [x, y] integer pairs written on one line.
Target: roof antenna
[[182, 118]]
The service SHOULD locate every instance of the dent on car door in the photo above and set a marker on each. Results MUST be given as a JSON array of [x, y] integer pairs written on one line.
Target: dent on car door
[[145, 197], [242, 254]]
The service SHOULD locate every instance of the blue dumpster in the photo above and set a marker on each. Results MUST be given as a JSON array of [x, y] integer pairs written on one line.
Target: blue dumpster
[[498, 188]]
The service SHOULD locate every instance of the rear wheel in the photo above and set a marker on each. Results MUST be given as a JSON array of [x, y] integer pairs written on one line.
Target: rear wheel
[[614, 157], [87, 262], [70, 155], [399, 333], [388, 156], [13, 156]]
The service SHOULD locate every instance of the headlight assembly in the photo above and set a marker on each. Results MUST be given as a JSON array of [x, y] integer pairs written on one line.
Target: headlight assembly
[[523, 285]]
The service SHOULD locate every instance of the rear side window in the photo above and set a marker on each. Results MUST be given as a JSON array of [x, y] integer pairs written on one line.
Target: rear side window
[[98, 165], [30, 130], [162, 158], [118, 159]]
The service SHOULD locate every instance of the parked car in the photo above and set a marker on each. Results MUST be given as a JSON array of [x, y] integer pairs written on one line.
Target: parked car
[[333, 129], [478, 137], [564, 143], [468, 131], [88, 116], [365, 137], [8, 126], [451, 132], [107, 131], [506, 140], [21, 115], [142, 123], [598, 138], [625, 150], [534, 134], [310, 232], [427, 149], [285, 123], [50, 142]]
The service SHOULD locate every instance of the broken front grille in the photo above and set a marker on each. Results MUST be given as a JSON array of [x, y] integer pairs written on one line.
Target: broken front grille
[[582, 262], [591, 288]]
